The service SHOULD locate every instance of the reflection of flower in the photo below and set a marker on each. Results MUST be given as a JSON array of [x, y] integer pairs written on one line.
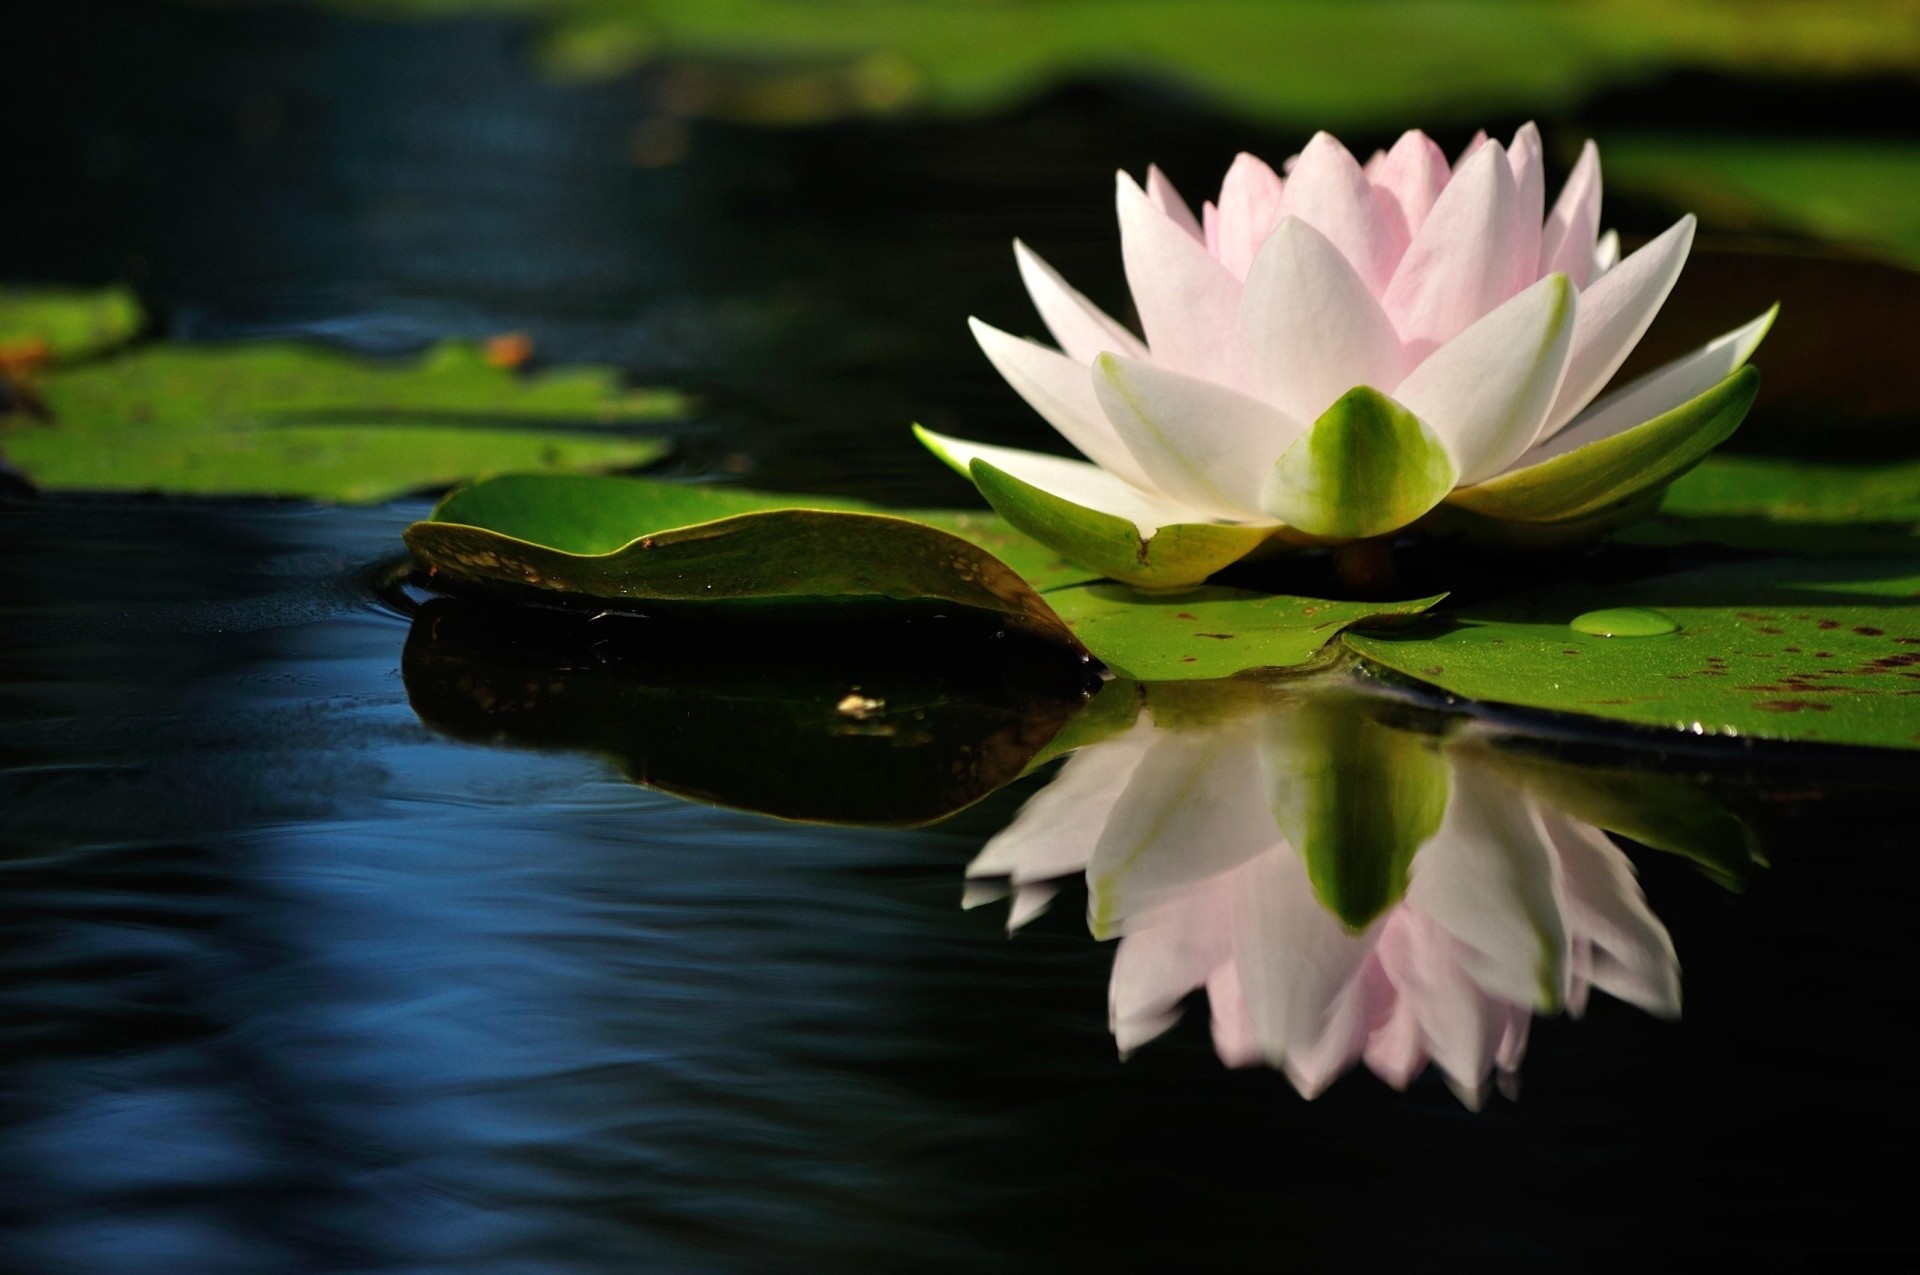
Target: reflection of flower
[[1478, 324], [1508, 908]]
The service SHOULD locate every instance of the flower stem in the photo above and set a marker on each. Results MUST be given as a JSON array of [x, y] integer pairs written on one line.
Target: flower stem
[[1366, 567]]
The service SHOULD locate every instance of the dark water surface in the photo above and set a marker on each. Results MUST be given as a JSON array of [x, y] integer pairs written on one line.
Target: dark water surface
[[290, 981]]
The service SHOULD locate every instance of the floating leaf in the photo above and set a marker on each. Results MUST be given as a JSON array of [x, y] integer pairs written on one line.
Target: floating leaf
[[676, 546], [1824, 650], [870, 726], [292, 420], [1853, 191], [66, 323], [1793, 490], [1211, 632]]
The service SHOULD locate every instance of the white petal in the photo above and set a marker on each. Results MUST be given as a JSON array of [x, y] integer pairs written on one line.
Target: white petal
[[1486, 391], [1186, 299], [1082, 328], [1529, 167], [1029, 901], [1571, 237], [1168, 201], [1327, 190], [1458, 266], [1606, 253], [1633, 956], [1658, 392], [1075, 480], [1249, 210], [1407, 180], [1614, 314], [1207, 446], [1061, 391], [1487, 878], [1055, 832], [1310, 329], [1194, 809]]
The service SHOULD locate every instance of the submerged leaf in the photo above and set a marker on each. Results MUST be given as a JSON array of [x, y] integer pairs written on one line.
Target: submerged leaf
[[1814, 649], [291, 420]]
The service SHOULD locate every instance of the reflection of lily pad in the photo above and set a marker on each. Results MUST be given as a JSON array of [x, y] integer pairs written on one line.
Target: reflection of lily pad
[[291, 420], [877, 727], [672, 547], [1823, 650], [66, 323]]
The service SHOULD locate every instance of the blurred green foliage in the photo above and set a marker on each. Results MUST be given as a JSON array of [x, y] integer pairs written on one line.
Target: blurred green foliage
[[281, 419]]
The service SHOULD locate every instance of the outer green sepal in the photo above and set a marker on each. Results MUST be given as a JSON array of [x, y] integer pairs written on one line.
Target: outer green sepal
[[1367, 467], [1177, 556], [1583, 482]]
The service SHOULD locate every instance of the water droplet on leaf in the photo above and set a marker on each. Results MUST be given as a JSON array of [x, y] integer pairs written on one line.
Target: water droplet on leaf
[[1623, 622]]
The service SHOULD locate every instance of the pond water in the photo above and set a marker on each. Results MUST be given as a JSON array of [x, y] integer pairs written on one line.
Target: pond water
[[338, 936]]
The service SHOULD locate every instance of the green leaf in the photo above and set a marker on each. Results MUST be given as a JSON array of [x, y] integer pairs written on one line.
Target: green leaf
[[1212, 632], [876, 725], [291, 420], [1800, 491], [1177, 556], [1356, 798], [69, 323], [1367, 467], [1820, 650], [1857, 191], [1589, 479], [627, 540]]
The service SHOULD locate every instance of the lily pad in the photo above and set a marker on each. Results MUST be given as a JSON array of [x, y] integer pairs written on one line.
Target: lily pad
[[1212, 632], [685, 549], [66, 323], [677, 546], [292, 420], [1858, 192], [1799, 491], [1815, 649]]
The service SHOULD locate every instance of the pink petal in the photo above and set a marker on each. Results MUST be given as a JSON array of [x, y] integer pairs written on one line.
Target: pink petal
[[1249, 210], [1572, 232], [1530, 187], [1473, 145], [1310, 328], [1082, 328], [1055, 832], [1327, 190], [1633, 955], [1061, 391], [1187, 300], [1207, 446], [1457, 267], [1167, 200], [1615, 313], [1407, 180]]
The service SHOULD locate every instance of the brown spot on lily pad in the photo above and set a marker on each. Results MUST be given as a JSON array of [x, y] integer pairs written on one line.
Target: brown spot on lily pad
[[1790, 705]]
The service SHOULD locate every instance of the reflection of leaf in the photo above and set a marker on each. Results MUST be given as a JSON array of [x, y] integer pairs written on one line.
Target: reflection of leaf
[[1811, 649], [1854, 191], [289, 420], [67, 323], [681, 548], [874, 726], [1669, 812]]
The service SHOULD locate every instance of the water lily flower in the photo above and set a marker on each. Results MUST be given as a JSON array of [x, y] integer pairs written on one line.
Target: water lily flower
[[1336, 354], [1345, 893]]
